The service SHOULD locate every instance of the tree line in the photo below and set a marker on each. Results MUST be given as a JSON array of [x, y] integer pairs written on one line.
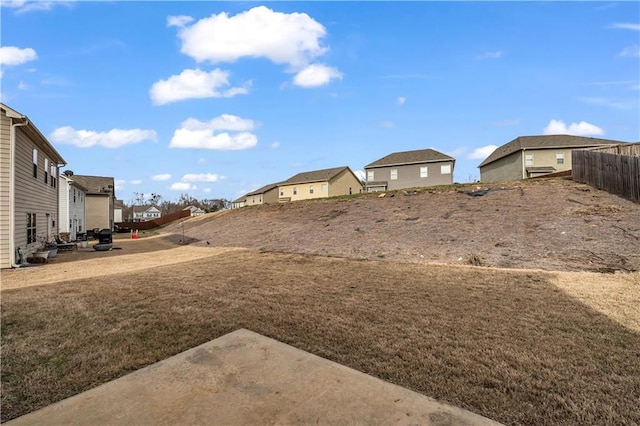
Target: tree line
[[167, 206]]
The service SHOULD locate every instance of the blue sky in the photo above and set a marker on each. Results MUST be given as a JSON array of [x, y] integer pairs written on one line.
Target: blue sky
[[216, 99]]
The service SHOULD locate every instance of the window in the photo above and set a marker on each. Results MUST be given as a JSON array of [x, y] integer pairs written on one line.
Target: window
[[445, 169], [528, 159], [295, 191], [31, 228], [560, 158], [324, 187], [394, 174], [54, 177], [424, 172], [310, 189], [282, 192], [35, 163], [74, 195], [370, 175], [46, 170], [79, 225]]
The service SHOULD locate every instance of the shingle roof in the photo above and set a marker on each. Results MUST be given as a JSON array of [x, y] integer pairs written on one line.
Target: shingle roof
[[262, 190], [96, 184], [118, 204], [142, 209], [410, 157], [545, 141], [324, 175]]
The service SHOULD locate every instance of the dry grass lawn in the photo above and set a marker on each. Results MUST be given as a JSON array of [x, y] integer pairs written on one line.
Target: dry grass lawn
[[520, 347]]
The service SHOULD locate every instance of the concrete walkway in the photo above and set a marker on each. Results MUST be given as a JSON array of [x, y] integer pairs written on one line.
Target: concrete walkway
[[244, 378]]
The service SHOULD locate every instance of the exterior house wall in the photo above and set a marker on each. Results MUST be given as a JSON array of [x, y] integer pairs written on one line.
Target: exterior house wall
[[98, 211], [345, 184], [117, 215], [268, 197], [408, 175], [303, 191], [505, 169], [77, 218], [547, 157], [5, 191], [64, 188], [32, 194]]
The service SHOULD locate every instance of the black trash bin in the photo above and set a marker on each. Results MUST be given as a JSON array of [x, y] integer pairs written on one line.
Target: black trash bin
[[105, 236]]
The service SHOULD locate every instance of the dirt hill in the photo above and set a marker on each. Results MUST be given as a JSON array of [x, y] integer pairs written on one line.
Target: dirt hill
[[549, 224]]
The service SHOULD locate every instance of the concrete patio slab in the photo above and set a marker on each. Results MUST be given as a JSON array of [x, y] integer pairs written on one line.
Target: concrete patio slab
[[244, 378]]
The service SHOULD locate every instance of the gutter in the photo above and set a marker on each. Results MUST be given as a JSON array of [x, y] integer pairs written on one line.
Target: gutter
[[12, 187]]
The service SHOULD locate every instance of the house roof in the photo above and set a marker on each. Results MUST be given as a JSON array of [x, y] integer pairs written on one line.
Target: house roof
[[72, 182], [118, 204], [96, 185], [33, 132], [410, 157], [263, 190], [324, 175], [241, 199], [545, 141]]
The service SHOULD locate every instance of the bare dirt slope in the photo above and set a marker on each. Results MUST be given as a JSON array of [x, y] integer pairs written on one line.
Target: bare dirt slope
[[549, 224]]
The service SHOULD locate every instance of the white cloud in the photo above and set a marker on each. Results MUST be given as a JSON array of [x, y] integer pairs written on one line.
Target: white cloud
[[194, 84], [136, 182], [360, 174], [11, 55], [630, 51], [275, 145], [182, 186], [401, 100], [198, 134], [283, 38], [202, 177], [179, 21], [207, 190], [119, 184], [558, 127], [491, 55], [202, 160], [23, 86], [161, 177], [23, 6], [626, 26], [113, 138], [482, 152], [316, 75], [611, 103]]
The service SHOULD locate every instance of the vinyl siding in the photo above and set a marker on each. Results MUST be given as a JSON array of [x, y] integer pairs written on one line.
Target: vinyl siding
[[409, 175], [98, 211], [502, 170], [547, 157], [5, 170], [32, 195], [342, 183], [302, 191], [63, 210]]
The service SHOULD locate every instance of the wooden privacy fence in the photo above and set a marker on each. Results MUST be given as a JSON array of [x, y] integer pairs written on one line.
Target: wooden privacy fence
[[150, 224], [615, 169]]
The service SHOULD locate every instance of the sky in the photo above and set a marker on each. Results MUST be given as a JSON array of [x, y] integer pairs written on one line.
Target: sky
[[216, 99]]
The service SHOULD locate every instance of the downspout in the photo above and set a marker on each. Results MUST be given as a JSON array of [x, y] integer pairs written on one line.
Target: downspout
[[12, 189]]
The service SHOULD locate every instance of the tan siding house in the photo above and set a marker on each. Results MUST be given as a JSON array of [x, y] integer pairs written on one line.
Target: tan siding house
[[28, 188], [409, 169], [319, 184], [268, 194], [99, 201], [532, 156]]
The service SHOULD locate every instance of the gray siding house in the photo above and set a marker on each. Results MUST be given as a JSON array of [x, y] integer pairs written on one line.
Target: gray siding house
[[409, 169], [29, 167], [532, 156]]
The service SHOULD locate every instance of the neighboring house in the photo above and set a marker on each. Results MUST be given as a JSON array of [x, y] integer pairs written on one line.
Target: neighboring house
[[239, 202], [195, 211], [409, 169], [266, 195], [144, 213], [319, 184], [72, 197], [531, 156], [99, 201], [118, 209], [29, 167]]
